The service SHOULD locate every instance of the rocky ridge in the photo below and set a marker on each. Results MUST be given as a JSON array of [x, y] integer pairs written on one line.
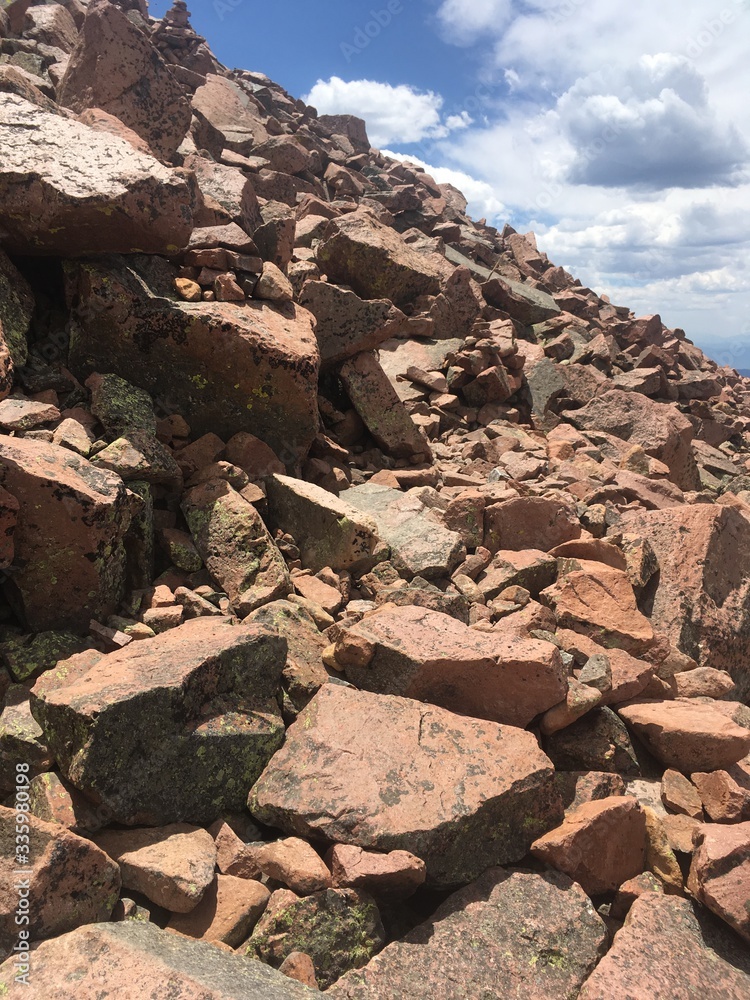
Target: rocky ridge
[[373, 615]]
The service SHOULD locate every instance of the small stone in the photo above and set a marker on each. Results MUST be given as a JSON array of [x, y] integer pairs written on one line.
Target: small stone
[[189, 291], [679, 795], [396, 875], [273, 285], [227, 913], [297, 965], [294, 863]]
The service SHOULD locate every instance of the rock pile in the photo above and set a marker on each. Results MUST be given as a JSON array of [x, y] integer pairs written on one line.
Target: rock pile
[[374, 615]]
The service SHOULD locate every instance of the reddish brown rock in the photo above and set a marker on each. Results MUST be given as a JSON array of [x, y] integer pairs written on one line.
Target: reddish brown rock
[[668, 948], [531, 569], [599, 602], [597, 742], [68, 880], [346, 324], [725, 794], [171, 865], [93, 193], [681, 831], [54, 800], [227, 367], [527, 304], [679, 795], [431, 657], [173, 729], [375, 261], [687, 735], [253, 456], [529, 523], [70, 526], [313, 589], [720, 873], [228, 116], [295, 863], [231, 188], [396, 875], [137, 958], [703, 682], [297, 965], [115, 67], [577, 787], [580, 700], [505, 935], [406, 786], [228, 911], [9, 507], [700, 599], [631, 890], [235, 546], [659, 428], [600, 845]]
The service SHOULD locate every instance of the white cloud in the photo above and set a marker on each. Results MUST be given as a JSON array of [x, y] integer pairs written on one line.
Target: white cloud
[[483, 201], [394, 114], [464, 21]]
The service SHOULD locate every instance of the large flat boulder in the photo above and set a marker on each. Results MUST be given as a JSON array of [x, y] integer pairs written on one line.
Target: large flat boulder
[[67, 189], [393, 774], [376, 262], [226, 366], [431, 657], [525, 303], [175, 729], [232, 119], [700, 598], [115, 67], [346, 324], [135, 958], [505, 935], [69, 555], [669, 948]]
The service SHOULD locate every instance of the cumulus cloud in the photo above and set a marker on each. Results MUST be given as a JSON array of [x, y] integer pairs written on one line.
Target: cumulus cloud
[[464, 21], [394, 114], [482, 199]]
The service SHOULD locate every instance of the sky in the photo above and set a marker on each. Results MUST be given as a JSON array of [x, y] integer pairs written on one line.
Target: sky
[[616, 130]]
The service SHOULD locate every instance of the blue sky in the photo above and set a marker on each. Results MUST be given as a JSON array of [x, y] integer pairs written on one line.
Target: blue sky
[[618, 130]]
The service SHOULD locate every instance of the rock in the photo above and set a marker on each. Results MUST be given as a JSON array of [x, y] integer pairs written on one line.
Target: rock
[[231, 117], [297, 965], [379, 406], [228, 911], [69, 881], [93, 193], [21, 739], [724, 794], [226, 367], [232, 189], [720, 873], [56, 801], [598, 601], [703, 682], [235, 546], [149, 729], [376, 263], [170, 865], [531, 569], [9, 508], [74, 519], [669, 948], [330, 530], [600, 845], [346, 324], [120, 406], [488, 776], [433, 658], [116, 68], [26, 415], [578, 787], [273, 285], [679, 795], [660, 428], [597, 742], [631, 890], [687, 735], [16, 311], [400, 522], [507, 934], [340, 929], [396, 875], [525, 303], [293, 862], [253, 456], [660, 858], [139, 958], [700, 599], [140, 456], [580, 700], [529, 523]]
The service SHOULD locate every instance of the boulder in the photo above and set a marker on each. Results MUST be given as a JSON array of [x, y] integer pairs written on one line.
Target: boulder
[[600, 844], [137, 958], [171, 730], [115, 67], [376, 262], [687, 735], [21, 739], [525, 303], [68, 880], [378, 772], [71, 525], [725, 794], [304, 672], [228, 117], [293, 862], [720, 873], [433, 658], [235, 546], [346, 324], [505, 935], [661, 430], [597, 742], [231, 188], [395, 875], [670, 948], [91, 192], [228, 911], [529, 523], [227, 367], [701, 595]]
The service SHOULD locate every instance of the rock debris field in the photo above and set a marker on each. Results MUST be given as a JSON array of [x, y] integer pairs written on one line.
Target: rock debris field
[[375, 605]]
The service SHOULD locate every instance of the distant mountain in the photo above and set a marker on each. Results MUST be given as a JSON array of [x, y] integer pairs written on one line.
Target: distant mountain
[[744, 371]]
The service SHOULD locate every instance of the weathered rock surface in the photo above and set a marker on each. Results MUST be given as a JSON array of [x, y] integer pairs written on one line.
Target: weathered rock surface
[[391, 756], [433, 658], [720, 873], [92, 192], [228, 911], [70, 527], [346, 324], [174, 729], [503, 934]]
